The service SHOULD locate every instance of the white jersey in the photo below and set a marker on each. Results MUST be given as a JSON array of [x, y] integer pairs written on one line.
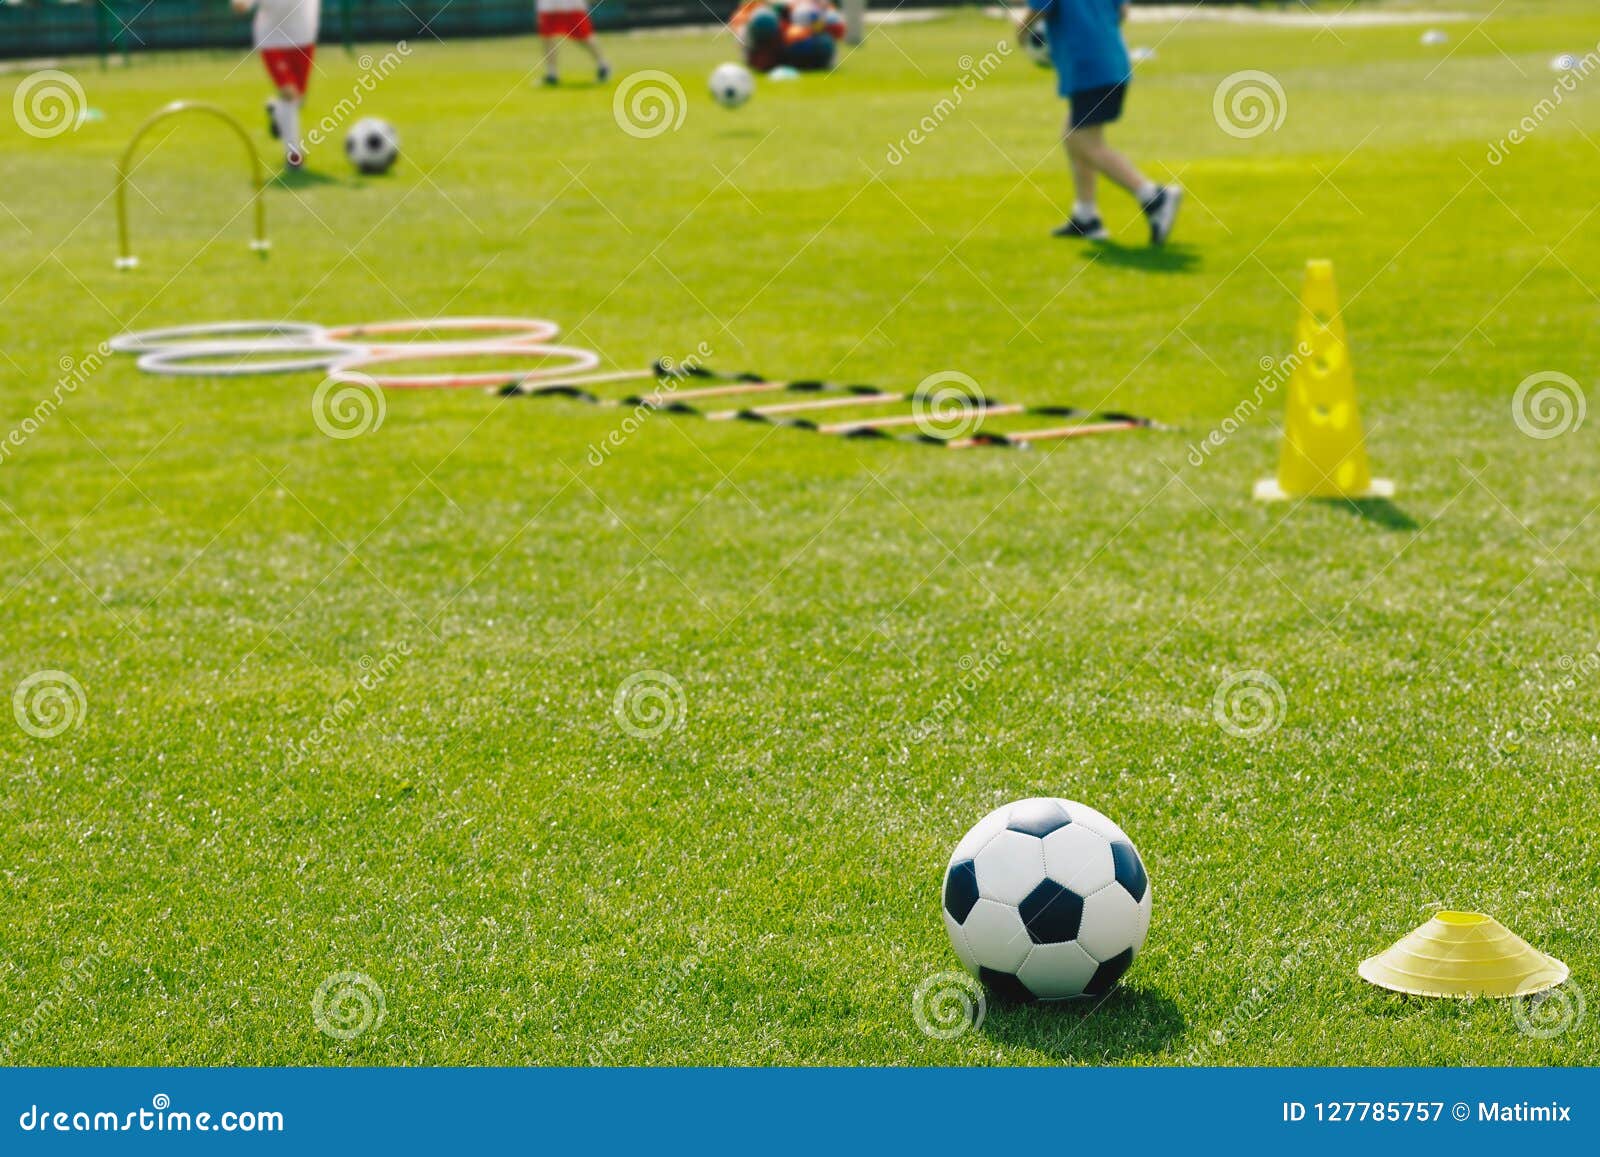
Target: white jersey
[[287, 23], [553, 6]]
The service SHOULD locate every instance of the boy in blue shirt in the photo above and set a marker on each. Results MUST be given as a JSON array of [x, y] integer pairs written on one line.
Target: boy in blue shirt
[[1091, 62]]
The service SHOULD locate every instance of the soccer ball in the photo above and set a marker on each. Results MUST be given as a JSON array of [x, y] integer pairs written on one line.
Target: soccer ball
[[1046, 899], [1037, 45], [372, 145], [732, 85]]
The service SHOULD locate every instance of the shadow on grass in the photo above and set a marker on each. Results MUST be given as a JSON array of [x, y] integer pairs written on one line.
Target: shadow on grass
[[302, 179], [1150, 258], [1379, 511], [1129, 1022]]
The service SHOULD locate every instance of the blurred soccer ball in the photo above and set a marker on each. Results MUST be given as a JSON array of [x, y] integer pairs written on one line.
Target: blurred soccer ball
[[1037, 46], [372, 145], [732, 85], [1046, 899], [1566, 62]]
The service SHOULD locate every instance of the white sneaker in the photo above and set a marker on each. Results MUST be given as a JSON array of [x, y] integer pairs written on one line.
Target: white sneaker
[[1162, 212]]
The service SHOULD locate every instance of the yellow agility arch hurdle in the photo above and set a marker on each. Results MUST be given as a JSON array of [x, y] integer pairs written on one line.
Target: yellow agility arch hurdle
[[258, 178]]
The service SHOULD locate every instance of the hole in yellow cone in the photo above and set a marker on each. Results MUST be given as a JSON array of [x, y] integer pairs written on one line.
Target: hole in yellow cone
[[1462, 918]]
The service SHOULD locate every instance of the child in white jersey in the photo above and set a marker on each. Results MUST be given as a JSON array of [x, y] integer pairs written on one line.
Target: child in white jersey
[[285, 33]]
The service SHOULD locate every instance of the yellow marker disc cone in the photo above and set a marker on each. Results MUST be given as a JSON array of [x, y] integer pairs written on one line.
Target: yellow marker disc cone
[[1463, 954]]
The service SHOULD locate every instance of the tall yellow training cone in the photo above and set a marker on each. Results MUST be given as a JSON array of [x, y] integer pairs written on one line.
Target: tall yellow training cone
[[1463, 954], [1324, 451]]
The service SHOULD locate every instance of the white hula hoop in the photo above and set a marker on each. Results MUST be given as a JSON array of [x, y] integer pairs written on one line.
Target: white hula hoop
[[181, 361], [358, 367], [522, 331], [156, 340]]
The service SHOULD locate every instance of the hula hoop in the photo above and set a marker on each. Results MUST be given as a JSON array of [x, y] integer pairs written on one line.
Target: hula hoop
[[154, 340], [524, 331], [356, 368], [176, 361]]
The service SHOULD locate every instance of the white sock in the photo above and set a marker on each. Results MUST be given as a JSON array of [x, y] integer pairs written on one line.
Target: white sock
[[1084, 211], [1146, 192], [289, 129]]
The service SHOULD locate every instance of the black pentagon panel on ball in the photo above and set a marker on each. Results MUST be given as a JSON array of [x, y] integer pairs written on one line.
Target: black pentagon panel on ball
[[1130, 872], [1106, 976], [960, 890], [1051, 913], [1006, 987], [1038, 817]]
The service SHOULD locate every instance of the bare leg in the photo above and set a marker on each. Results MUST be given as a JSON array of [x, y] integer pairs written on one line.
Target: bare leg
[[1084, 176], [1088, 148], [1090, 154], [592, 47], [551, 44]]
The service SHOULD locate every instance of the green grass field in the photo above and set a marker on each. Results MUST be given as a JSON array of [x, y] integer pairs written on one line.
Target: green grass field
[[530, 884]]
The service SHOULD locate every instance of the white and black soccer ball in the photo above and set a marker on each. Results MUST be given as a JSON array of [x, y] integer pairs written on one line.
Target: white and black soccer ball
[[1046, 899], [732, 85], [372, 145], [1037, 43]]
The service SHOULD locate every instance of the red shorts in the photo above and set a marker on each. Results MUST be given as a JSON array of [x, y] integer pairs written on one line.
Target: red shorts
[[289, 67], [572, 25]]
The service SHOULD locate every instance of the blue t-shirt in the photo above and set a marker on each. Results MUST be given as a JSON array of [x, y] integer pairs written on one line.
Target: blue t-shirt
[[1085, 42]]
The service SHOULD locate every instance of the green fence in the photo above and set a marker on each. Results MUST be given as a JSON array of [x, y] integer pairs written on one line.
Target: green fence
[[39, 28]]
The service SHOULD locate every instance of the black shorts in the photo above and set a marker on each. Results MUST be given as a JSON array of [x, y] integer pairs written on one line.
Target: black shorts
[[1097, 106]]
